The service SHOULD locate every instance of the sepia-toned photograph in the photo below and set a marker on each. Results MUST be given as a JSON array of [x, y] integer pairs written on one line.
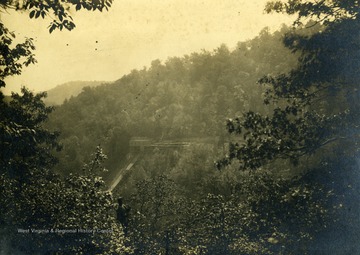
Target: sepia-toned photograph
[[179, 127]]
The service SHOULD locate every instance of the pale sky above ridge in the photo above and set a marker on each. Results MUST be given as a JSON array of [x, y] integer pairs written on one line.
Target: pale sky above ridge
[[105, 46]]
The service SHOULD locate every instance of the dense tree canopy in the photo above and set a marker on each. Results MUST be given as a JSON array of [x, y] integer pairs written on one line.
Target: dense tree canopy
[[316, 104], [25, 143], [314, 121]]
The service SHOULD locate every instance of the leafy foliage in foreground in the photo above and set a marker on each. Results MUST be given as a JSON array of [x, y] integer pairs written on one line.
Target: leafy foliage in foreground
[[314, 122], [251, 220], [13, 59], [316, 104], [25, 144], [59, 11], [33, 198], [38, 208]]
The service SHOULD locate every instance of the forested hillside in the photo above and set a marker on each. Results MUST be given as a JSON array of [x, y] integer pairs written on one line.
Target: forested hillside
[[57, 95], [182, 98]]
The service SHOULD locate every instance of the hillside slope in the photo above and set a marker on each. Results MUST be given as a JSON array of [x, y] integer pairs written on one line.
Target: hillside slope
[[57, 95], [182, 98]]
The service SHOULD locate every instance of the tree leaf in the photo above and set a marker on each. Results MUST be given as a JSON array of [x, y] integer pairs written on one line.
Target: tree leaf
[[32, 13]]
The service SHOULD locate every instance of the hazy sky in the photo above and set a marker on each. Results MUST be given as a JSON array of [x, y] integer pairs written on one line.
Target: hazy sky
[[105, 46]]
